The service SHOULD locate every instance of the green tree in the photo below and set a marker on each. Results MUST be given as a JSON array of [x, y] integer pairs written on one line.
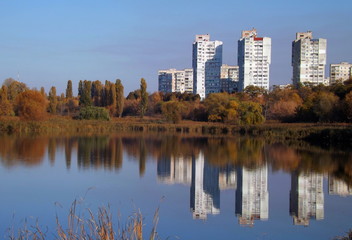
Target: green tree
[[69, 93], [94, 113], [80, 88], [85, 97], [52, 100], [97, 93], [119, 98], [144, 98]]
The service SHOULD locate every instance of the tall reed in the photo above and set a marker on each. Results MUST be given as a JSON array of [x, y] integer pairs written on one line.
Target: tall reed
[[99, 226]]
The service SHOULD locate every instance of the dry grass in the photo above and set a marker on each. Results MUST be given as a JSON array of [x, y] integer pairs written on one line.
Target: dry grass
[[98, 226]]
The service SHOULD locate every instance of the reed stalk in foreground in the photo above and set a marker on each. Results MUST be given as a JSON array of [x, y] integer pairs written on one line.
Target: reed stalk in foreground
[[93, 227]]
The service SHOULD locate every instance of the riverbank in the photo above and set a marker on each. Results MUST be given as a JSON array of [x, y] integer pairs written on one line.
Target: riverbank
[[327, 133]]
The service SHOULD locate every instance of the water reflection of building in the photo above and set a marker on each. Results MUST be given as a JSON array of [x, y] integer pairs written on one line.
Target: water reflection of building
[[339, 187], [252, 196], [205, 191], [175, 170], [227, 178], [205, 179], [306, 197]]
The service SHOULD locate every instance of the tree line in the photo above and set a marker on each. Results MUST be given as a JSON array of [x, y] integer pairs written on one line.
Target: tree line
[[97, 100]]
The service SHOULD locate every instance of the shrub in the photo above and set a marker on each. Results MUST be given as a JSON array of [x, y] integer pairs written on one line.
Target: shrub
[[94, 113]]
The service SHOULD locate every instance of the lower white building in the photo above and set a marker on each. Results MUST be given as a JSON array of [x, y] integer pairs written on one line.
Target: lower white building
[[172, 80], [340, 72], [229, 79]]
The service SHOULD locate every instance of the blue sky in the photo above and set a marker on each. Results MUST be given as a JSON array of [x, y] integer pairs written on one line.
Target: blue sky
[[51, 42]]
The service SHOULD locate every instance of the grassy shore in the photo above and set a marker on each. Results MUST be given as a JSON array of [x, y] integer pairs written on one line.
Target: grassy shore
[[327, 133]]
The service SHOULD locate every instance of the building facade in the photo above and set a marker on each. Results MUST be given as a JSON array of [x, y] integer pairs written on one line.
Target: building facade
[[172, 80], [308, 59], [206, 63], [340, 72], [229, 79], [254, 58]]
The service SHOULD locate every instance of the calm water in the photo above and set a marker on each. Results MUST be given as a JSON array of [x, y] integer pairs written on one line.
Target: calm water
[[207, 188]]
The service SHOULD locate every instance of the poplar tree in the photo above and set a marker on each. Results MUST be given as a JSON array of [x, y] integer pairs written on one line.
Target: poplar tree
[[119, 98], [52, 100], [144, 98], [69, 93]]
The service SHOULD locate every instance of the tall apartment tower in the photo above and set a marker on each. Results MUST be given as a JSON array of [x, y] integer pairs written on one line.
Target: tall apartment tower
[[308, 59], [254, 58], [207, 61], [340, 72]]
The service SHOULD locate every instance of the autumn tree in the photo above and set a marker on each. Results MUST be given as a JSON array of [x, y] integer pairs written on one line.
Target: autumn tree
[[14, 88], [144, 98], [31, 105], [84, 90], [172, 111], [119, 97], [52, 100], [97, 93], [42, 91], [282, 104], [250, 113], [69, 92], [324, 106], [347, 106], [221, 107], [5, 105]]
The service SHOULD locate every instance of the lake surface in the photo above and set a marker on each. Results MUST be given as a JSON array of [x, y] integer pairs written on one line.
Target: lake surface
[[206, 188]]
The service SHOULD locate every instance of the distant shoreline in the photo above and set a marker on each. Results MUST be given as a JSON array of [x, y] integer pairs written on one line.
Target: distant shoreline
[[328, 133]]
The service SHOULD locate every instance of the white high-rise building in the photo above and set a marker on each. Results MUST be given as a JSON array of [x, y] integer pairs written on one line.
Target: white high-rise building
[[340, 72], [308, 59], [207, 61], [172, 80], [254, 58]]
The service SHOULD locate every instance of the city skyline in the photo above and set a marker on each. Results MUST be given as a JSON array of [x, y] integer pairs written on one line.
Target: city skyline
[[46, 43]]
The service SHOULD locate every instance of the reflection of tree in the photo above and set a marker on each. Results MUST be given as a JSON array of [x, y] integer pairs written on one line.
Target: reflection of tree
[[241, 152], [28, 150], [310, 159], [52, 150]]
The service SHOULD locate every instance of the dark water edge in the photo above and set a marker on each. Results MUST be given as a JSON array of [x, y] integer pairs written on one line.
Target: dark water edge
[[323, 135]]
